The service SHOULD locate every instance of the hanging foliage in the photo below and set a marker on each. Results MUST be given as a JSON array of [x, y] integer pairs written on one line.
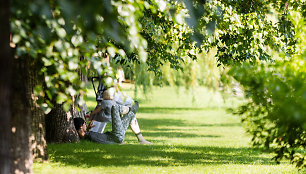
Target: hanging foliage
[[275, 113]]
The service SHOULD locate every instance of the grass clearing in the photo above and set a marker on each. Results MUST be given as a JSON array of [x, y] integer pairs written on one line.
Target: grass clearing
[[199, 137]]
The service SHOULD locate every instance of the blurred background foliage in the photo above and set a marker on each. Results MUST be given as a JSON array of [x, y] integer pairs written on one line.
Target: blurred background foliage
[[259, 49]]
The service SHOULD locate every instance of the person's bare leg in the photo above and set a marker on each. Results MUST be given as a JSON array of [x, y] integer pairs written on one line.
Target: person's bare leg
[[136, 130]]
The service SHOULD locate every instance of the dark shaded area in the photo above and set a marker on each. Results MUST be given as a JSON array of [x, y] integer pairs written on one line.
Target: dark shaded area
[[88, 154], [6, 60], [168, 110], [153, 124], [164, 128], [177, 134], [60, 127], [221, 125], [150, 124]]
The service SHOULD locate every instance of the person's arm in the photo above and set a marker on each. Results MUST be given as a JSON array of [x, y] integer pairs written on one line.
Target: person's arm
[[90, 125], [118, 102], [97, 110]]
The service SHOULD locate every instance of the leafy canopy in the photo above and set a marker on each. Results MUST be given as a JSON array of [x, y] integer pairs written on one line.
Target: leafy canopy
[[63, 38]]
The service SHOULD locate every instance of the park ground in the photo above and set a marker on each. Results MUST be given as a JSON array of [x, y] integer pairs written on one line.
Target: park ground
[[192, 132]]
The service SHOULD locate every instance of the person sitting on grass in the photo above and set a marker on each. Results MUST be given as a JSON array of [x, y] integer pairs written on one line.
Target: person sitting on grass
[[110, 98], [109, 108]]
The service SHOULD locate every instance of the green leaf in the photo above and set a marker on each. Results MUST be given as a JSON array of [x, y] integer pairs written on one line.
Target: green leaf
[[61, 98], [66, 106], [45, 108], [61, 32], [47, 62]]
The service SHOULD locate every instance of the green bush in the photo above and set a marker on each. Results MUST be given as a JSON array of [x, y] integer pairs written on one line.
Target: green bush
[[275, 114]]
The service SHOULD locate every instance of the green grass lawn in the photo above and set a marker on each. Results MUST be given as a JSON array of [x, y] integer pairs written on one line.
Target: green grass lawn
[[188, 137]]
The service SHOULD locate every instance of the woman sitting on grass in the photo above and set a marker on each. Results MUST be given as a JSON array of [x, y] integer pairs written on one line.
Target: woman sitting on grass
[[119, 124]]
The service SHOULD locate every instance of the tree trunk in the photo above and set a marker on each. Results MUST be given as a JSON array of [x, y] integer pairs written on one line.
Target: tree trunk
[[60, 127], [59, 124], [37, 138], [5, 87], [21, 120], [38, 133]]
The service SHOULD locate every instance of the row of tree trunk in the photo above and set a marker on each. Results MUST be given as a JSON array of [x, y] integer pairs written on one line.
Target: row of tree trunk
[[31, 129], [24, 128]]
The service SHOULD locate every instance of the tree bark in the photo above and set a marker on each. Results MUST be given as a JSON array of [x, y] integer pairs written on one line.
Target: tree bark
[[5, 87], [37, 138], [21, 120], [60, 127], [59, 124], [38, 133]]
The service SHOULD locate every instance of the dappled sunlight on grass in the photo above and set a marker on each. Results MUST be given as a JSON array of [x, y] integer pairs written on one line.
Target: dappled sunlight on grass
[[91, 154], [187, 139]]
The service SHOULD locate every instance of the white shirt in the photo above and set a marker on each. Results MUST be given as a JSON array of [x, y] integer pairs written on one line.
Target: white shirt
[[123, 99]]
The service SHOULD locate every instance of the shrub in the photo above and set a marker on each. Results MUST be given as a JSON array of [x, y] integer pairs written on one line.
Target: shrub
[[275, 113]]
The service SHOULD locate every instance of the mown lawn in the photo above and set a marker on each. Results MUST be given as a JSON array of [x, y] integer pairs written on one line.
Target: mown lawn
[[188, 137]]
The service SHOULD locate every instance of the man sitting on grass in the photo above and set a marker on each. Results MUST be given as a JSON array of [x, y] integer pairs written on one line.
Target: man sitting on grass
[[102, 112], [109, 108]]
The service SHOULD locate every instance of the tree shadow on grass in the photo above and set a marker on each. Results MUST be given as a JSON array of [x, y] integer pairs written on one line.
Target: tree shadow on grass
[[152, 124], [171, 128], [89, 154], [160, 123], [161, 110], [177, 134], [167, 110], [221, 125]]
